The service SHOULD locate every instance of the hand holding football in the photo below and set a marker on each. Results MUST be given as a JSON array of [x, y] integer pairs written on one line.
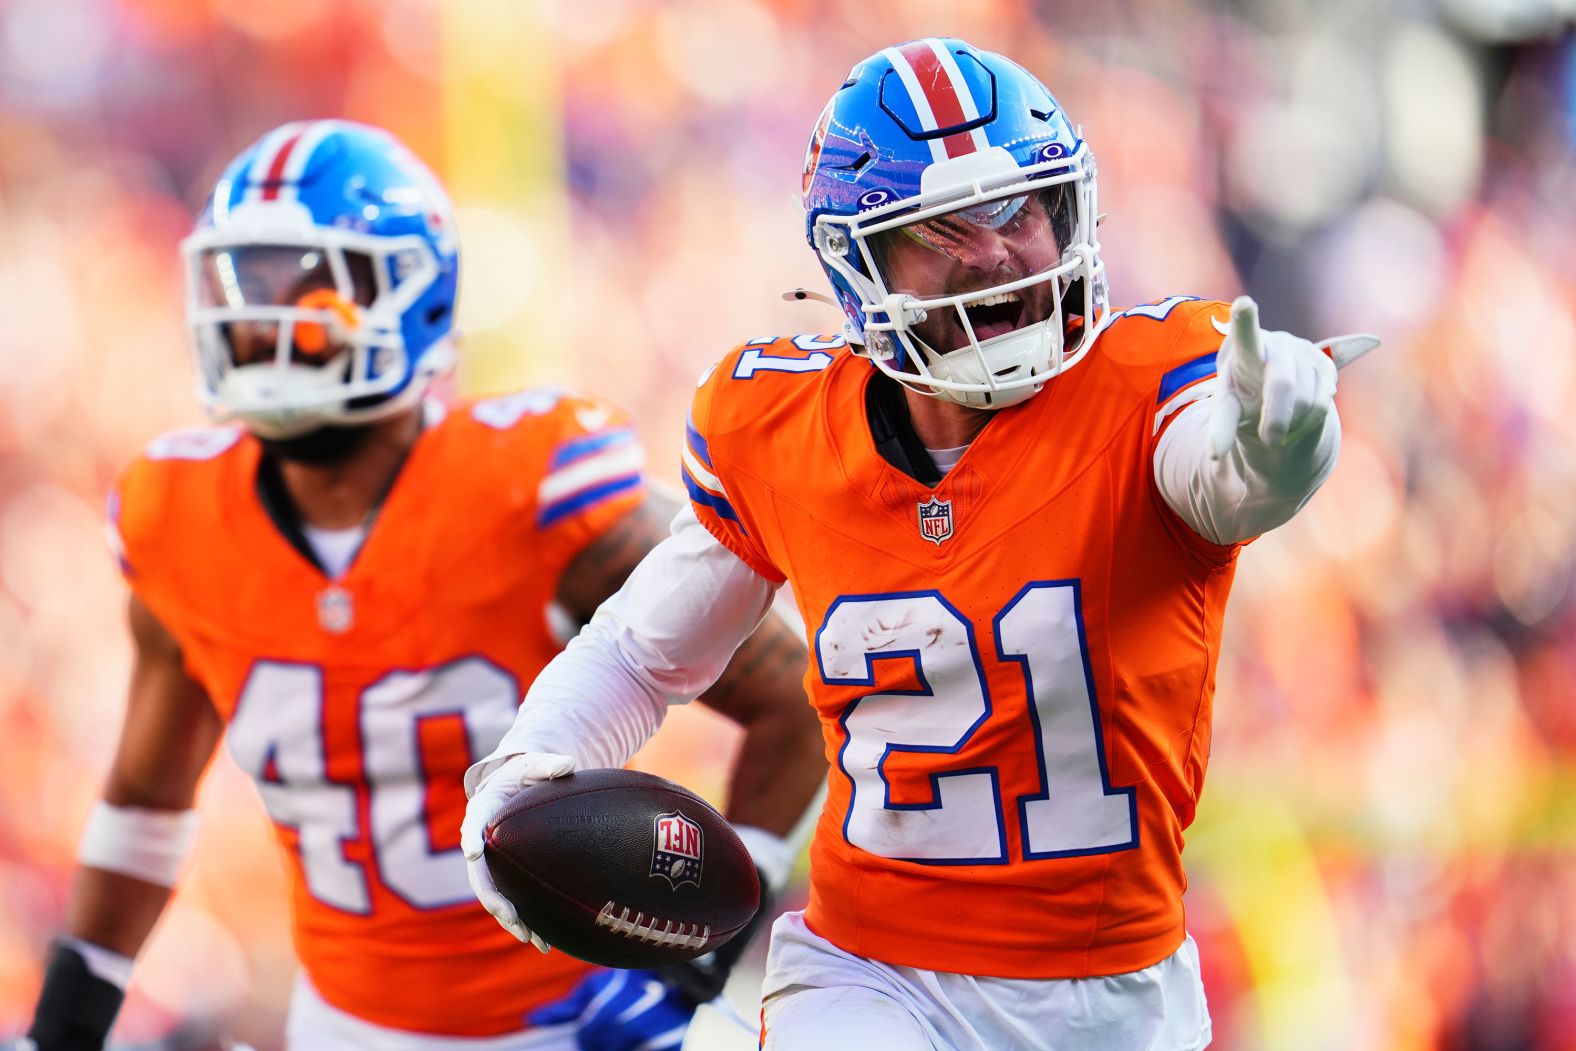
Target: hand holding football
[[622, 868]]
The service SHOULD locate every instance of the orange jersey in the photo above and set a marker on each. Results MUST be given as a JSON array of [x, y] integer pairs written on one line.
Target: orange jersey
[[357, 704], [1013, 669]]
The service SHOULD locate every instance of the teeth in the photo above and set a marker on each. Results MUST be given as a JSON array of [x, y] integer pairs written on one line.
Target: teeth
[[998, 299]]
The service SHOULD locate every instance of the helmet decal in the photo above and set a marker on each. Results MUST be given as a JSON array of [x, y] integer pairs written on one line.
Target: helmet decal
[[812, 152], [934, 101], [282, 158], [877, 197]]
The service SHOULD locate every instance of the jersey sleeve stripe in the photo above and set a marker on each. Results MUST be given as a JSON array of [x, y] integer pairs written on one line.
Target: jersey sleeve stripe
[[117, 545], [1185, 398], [556, 512], [718, 504], [615, 461], [579, 448], [1184, 374], [697, 442], [702, 477]]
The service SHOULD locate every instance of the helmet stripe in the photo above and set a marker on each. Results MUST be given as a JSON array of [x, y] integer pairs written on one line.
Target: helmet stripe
[[263, 177], [250, 178], [298, 156], [276, 170], [934, 88], [971, 110], [917, 97]]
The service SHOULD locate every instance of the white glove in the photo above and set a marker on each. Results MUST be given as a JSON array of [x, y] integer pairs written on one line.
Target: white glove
[[1282, 381], [518, 773]]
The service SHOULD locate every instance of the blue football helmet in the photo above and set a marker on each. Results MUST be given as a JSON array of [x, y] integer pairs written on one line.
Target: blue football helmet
[[321, 280], [952, 206]]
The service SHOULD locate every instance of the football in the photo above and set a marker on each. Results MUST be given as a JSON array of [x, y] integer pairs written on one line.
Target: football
[[622, 868]]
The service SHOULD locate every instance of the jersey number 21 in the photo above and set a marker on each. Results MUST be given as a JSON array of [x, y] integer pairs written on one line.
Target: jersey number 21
[[1073, 811]]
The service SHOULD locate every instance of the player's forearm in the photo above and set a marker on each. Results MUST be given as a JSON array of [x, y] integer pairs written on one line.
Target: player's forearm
[[114, 911], [775, 777], [130, 859], [1251, 489], [781, 761]]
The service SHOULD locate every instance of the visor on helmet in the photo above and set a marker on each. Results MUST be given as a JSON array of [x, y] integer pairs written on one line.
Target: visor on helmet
[[996, 255], [967, 234], [285, 303]]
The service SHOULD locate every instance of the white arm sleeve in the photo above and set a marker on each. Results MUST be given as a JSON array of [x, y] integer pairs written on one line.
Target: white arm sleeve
[[1250, 490], [662, 639]]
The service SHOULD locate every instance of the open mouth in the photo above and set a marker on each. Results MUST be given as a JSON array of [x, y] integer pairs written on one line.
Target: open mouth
[[995, 315]]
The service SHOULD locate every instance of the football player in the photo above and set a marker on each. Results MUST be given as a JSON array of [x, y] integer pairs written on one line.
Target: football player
[[353, 583], [1010, 516]]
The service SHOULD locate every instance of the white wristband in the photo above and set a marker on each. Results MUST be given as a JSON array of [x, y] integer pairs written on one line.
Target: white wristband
[[150, 845], [770, 852]]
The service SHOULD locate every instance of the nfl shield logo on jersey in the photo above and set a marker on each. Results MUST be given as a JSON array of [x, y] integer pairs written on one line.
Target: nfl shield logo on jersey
[[935, 520], [676, 849], [335, 613]]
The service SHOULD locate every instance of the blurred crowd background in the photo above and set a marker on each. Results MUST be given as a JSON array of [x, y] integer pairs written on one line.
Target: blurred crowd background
[[1384, 855]]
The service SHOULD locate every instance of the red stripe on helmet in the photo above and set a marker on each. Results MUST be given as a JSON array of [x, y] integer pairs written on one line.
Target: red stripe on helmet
[[941, 92], [276, 170]]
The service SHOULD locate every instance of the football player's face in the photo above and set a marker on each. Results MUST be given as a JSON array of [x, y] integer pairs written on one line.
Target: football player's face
[[282, 275], [970, 250]]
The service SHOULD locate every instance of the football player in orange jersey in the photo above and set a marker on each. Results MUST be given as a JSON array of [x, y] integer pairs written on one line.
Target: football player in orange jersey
[[353, 583], [1011, 517]]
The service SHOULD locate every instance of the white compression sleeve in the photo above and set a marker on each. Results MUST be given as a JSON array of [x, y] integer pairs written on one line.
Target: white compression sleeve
[[150, 845], [1250, 490], [663, 638]]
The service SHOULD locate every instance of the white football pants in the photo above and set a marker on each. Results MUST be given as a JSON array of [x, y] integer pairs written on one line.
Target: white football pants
[[316, 1025], [817, 997]]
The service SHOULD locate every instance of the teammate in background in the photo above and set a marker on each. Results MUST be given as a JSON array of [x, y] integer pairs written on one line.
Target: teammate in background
[[353, 585], [1010, 517]]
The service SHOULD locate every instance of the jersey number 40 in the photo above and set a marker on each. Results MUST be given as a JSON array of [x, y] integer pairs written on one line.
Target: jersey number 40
[[1074, 810], [277, 736]]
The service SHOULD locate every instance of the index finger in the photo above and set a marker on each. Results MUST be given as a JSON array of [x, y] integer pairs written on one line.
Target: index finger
[[1245, 348]]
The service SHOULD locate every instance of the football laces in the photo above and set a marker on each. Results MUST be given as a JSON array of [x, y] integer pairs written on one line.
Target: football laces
[[671, 934]]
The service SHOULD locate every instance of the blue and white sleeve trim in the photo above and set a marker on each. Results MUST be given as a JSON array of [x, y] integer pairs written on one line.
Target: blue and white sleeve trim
[[586, 471], [704, 487], [1184, 385]]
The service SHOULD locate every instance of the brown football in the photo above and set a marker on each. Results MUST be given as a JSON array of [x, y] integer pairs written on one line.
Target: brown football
[[622, 868]]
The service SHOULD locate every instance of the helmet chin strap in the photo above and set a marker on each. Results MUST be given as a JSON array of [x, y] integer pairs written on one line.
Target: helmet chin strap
[[248, 393], [1027, 349]]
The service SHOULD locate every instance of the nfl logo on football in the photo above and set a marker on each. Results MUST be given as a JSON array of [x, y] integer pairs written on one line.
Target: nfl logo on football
[[935, 520], [676, 850]]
